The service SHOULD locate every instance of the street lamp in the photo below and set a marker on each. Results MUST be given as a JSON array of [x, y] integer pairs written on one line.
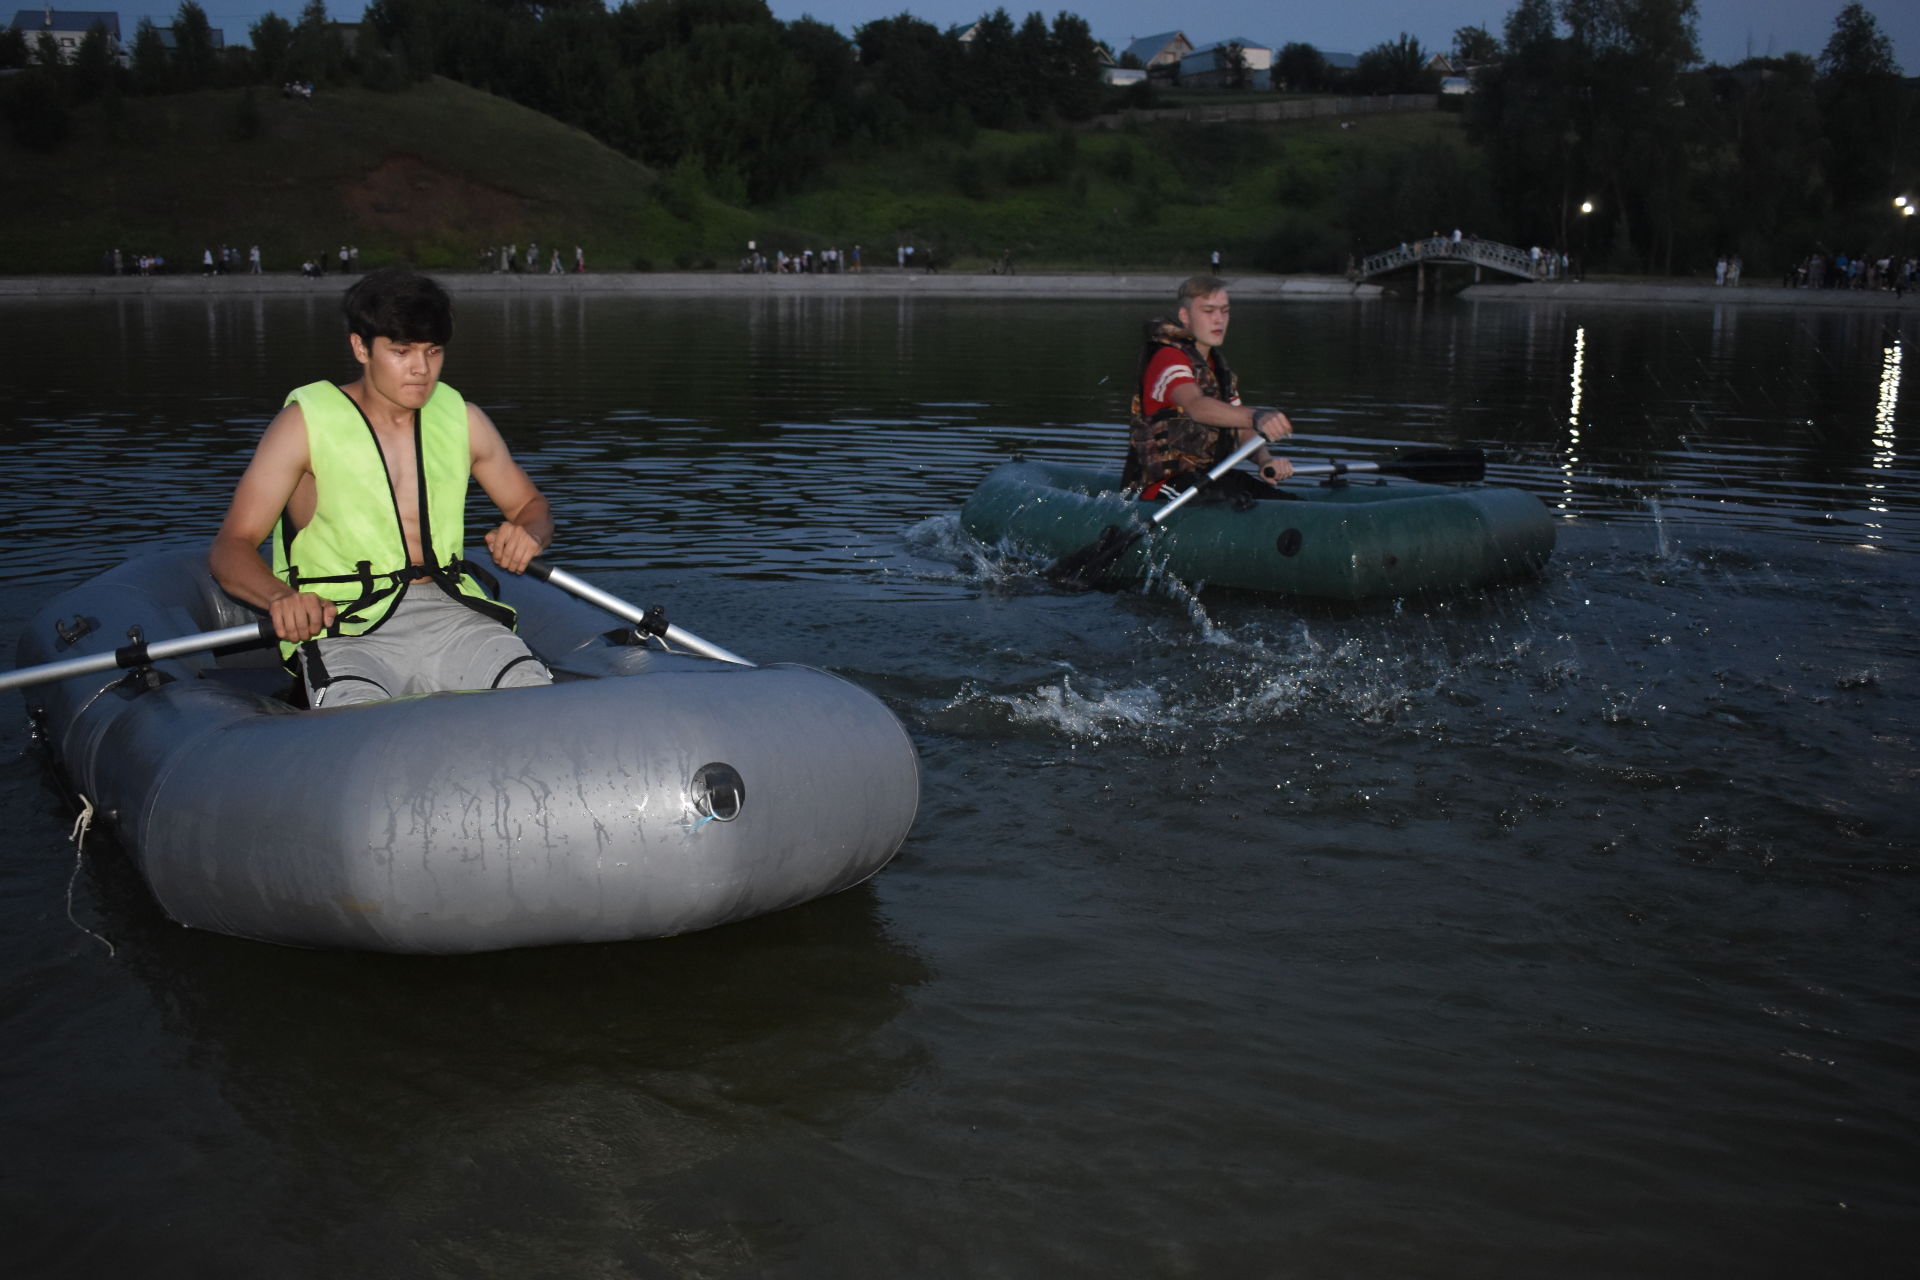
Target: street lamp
[[1906, 207], [1586, 223]]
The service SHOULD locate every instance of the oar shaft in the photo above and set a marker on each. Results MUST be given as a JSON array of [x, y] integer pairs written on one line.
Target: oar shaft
[[1332, 468], [1233, 460], [137, 655], [621, 609]]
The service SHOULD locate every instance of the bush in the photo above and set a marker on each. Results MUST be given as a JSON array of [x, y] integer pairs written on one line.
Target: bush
[[247, 121], [36, 111], [1297, 244], [970, 177]]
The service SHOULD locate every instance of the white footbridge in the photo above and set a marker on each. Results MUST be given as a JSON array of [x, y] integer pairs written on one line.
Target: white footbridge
[[1467, 251]]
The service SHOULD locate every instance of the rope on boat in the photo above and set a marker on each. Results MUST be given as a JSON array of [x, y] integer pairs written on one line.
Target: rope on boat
[[82, 824]]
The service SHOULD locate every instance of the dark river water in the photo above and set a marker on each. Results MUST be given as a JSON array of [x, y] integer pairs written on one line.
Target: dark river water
[[1567, 929]]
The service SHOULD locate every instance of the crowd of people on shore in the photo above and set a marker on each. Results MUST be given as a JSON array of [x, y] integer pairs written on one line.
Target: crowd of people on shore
[[833, 262], [807, 262], [504, 259], [1817, 271]]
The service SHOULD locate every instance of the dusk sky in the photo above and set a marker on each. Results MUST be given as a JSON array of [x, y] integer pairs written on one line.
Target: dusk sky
[[1729, 29]]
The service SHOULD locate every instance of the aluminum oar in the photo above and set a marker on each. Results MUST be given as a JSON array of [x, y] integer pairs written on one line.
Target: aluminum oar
[[139, 654], [541, 571]]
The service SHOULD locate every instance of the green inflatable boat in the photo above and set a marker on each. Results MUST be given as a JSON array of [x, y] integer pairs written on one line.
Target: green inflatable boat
[[1360, 533]]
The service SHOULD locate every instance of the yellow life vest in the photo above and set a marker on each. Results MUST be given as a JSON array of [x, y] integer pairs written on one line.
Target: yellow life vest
[[353, 550]]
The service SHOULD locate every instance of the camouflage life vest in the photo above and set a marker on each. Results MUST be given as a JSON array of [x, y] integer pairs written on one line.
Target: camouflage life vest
[[1170, 446]]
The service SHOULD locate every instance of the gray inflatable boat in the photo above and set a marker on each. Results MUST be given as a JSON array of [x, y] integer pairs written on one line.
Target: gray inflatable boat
[[643, 794]]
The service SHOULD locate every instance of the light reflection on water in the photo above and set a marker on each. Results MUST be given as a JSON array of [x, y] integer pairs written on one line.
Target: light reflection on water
[[1556, 925]]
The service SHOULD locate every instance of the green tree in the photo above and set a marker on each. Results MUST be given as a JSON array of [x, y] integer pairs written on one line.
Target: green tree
[[95, 73], [1627, 58], [727, 100], [1522, 118], [1032, 68], [1861, 100], [912, 69], [1239, 76], [13, 49], [1474, 45], [1394, 66], [195, 65], [1073, 68], [315, 53], [990, 79], [152, 69], [1767, 197], [272, 40], [1301, 68]]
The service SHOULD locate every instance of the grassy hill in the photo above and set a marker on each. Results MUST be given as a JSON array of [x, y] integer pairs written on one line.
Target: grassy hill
[[435, 174], [1291, 197]]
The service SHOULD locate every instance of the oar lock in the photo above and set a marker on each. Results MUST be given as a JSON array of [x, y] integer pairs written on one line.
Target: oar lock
[[141, 677], [651, 623], [70, 632]]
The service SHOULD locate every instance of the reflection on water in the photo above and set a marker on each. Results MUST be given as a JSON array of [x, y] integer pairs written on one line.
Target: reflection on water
[[1565, 926]]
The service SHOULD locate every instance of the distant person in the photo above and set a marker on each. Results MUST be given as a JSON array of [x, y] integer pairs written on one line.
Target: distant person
[[1215, 262], [579, 260], [1187, 416], [363, 487]]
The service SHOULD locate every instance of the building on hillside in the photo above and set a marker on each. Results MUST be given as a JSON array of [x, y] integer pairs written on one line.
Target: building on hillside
[[1211, 66], [1161, 54], [68, 27], [215, 34]]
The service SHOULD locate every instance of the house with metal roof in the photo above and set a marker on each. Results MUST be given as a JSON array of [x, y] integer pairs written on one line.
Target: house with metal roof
[[68, 27], [1211, 66], [1163, 50]]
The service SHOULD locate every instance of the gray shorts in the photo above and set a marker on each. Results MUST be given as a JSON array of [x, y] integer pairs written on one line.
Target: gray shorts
[[429, 642]]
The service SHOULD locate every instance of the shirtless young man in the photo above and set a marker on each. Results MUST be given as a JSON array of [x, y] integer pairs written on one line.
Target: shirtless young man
[[363, 488], [1187, 414]]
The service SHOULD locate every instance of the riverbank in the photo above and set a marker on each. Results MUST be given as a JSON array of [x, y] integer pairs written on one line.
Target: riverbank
[[1685, 294], [892, 282], [888, 282]]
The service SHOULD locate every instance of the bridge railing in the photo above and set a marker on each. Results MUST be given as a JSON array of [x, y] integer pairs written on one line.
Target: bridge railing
[[1467, 250]]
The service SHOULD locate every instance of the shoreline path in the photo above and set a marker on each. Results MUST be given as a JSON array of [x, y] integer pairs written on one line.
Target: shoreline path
[[895, 283]]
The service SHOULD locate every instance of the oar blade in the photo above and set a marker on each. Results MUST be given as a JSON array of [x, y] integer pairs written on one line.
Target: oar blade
[[1087, 566], [1439, 466]]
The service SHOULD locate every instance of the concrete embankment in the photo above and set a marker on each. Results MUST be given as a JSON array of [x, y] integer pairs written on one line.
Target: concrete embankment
[[880, 283], [893, 283], [1685, 295]]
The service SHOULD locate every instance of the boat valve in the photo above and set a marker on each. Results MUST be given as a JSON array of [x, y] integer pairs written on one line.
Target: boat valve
[[719, 792]]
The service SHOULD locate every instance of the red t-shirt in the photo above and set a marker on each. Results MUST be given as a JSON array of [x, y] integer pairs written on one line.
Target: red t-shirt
[[1165, 371]]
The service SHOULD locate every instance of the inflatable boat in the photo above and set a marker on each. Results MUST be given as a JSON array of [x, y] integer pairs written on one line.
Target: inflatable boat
[[643, 794], [1359, 533]]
